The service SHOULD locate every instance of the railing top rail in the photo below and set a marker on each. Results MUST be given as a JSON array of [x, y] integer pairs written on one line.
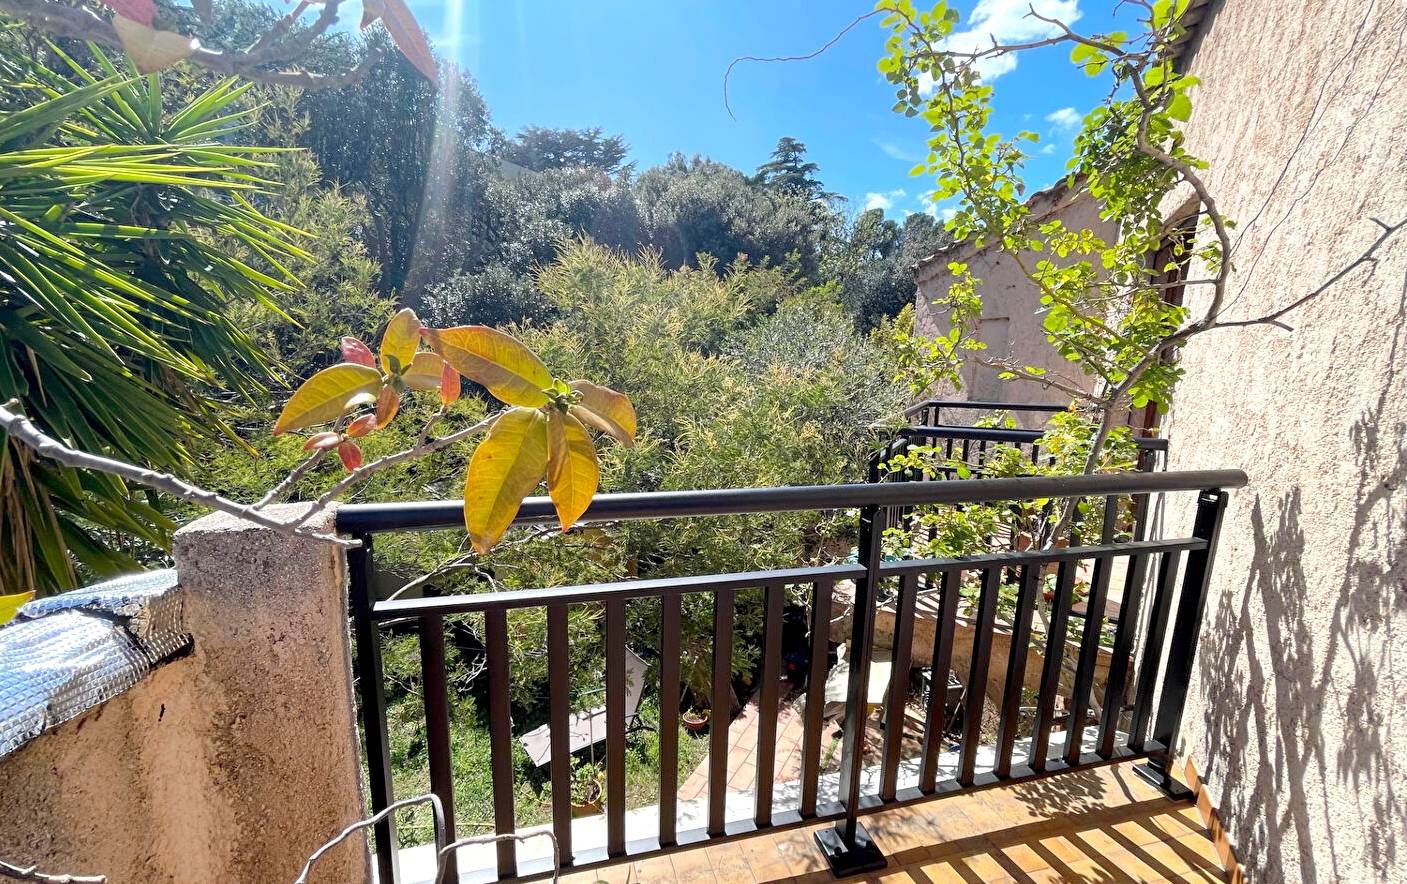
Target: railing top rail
[[984, 406], [1003, 434], [628, 589], [367, 518], [598, 592]]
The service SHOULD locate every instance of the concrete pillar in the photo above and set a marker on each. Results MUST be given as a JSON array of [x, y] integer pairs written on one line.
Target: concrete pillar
[[232, 764]]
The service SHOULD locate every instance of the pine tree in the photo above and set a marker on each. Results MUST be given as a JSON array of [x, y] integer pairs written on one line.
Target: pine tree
[[789, 171]]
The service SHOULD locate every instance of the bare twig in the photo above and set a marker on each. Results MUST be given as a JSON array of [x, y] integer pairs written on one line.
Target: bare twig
[[1368, 257], [436, 809], [290, 481], [32, 873], [810, 55]]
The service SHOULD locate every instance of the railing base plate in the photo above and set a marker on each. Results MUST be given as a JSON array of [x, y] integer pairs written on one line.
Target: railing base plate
[[850, 859], [1159, 777]]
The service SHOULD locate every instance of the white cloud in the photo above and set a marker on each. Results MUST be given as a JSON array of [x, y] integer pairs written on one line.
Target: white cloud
[[1067, 119], [1047, 149], [931, 207], [884, 201], [1005, 21], [894, 151]]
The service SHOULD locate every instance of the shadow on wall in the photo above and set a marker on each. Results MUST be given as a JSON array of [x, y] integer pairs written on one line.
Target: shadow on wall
[[1347, 674]]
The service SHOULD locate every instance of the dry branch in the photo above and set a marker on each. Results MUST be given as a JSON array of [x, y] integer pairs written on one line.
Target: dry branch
[[32, 873], [280, 45]]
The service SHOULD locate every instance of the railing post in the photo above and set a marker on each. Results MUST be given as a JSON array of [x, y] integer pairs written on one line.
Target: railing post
[[371, 685], [848, 847], [1182, 647]]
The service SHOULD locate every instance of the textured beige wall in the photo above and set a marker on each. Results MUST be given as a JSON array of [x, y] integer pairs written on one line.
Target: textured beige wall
[[232, 764], [1009, 305], [1299, 709]]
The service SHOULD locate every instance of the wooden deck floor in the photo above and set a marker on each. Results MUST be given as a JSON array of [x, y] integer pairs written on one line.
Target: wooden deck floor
[[1104, 825]]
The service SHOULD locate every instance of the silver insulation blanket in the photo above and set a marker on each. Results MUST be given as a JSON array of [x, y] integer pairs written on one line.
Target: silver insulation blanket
[[63, 655]]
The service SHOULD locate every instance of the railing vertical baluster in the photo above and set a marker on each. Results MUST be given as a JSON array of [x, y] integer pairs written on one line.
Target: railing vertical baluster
[[1054, 660], [1182, 647], [721, 711], [813, 736], [615, 727], [1153, 650], [1089, 640], [936, 723], [669, 716], [848, 847], [1087, 661], [894, 700], [500, 738], [437, 739], [773, 596], [371, 684], [559, 714], [1116, 687], [977, 674], [1016, 668]]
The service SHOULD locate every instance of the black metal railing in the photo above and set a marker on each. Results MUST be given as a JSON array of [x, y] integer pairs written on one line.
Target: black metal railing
[[1144, 722], [929, 413]]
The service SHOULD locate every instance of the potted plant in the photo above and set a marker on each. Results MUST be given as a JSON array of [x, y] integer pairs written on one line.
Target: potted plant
[[695, 720], [588, 789]]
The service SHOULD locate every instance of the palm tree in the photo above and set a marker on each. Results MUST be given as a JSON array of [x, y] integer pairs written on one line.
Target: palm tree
[[126, 235]]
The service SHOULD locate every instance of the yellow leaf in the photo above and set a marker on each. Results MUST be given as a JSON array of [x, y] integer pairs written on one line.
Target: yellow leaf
[[152, 50], [572, 472], [507, 465], [425, 372], [449, 385], [328, 395], [400, 341], [606, 410], [509, 370], [10, 605], [409, 39], [387, 404]]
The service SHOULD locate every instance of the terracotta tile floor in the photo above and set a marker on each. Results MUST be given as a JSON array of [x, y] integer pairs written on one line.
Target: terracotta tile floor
[[1103, 824], [742, 751]]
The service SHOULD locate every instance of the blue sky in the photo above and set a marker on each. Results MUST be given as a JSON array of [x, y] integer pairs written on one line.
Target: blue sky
[[653, 72]]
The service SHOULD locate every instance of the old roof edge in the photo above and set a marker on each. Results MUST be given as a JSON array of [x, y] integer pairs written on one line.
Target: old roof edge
[[961, 251]]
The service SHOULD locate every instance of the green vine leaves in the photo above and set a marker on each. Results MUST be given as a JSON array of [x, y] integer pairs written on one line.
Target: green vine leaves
[[542, 434], [1101, 303]]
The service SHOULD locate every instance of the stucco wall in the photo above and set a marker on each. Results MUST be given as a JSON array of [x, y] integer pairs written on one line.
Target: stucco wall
[[1009, 304], [1299, 709], [232, 764]]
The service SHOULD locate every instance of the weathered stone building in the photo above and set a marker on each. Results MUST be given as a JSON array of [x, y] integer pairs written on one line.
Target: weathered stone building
[[1010, 325]]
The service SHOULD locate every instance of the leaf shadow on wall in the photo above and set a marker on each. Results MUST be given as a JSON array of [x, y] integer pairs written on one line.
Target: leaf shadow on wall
[[1316, 676]]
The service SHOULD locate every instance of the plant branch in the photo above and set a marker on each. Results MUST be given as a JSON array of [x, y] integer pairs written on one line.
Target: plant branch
[[423, 446], [32, 873], [1368, 257], [20, 428], [290, 481], [273, 48]]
